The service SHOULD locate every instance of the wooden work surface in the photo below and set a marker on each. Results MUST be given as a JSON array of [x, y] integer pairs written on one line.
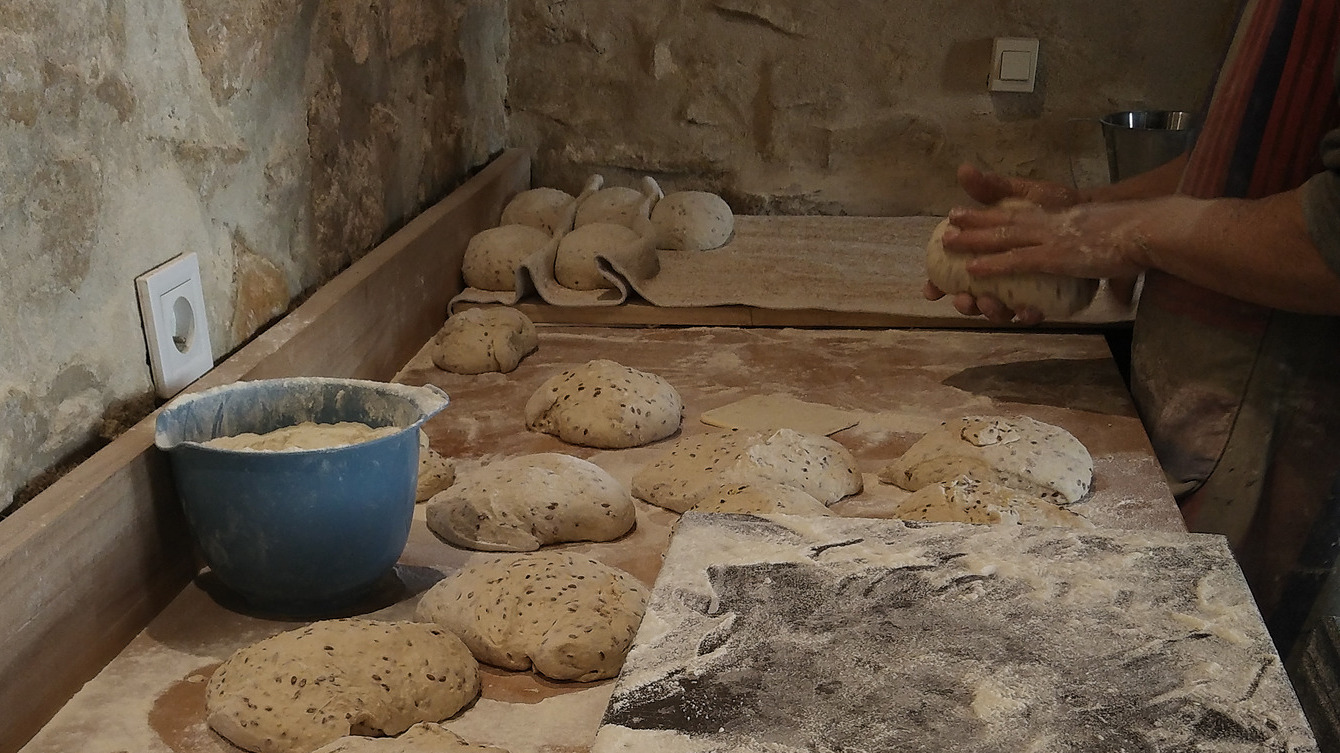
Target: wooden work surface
[[902, 383]]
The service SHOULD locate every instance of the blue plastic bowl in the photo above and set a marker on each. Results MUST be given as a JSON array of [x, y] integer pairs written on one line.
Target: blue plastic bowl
[[298, 531]]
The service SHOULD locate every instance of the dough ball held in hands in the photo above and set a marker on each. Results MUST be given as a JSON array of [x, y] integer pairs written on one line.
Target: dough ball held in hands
[[482, 340], [1018, 452], [692, 221], [435, 471], [493, 256], [523, 503], [546, 209], [966, 500], [607, 405], [568, 617], [304, 688], [575, 262], [421, 738]]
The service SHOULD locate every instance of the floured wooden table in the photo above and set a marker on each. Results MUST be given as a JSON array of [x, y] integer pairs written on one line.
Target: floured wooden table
[[901, 384]]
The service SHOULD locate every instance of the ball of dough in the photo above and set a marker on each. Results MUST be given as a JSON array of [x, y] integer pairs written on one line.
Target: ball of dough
[[493, 255], [523, 503], [542, 208], [605, 404], [761, 496], [575, 263], [1054, 295], [435, 472], [966, 500], [421, 738], [696, 466], [304, 688], [569, 617], [476, 341], [616, 205], [1019, 452], [692, 221]]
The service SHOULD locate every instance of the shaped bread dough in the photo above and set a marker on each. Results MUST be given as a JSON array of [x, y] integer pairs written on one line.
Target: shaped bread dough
[[298, 690], [492, 256], [1054, 295], [435, 472], [542, 208], [966, 500], [692, 221], [523, 503], [1019, 452], [616, 205], [605, 404], [696, 466], [761, 496], [575, 262], [421, 738], [568, 617], [481, 340]]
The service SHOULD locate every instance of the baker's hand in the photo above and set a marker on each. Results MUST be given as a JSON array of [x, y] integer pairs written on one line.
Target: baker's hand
[[993, 188], [988, 306]]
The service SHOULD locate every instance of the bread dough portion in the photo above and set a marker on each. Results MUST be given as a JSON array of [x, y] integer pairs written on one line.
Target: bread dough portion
[[616, 205], [1018, 452], [696, 466], [493, 256], [692, 221], [435, 471], [1055, 296], [966, 500], [304, 688], [542, 208], [568, 617], [575, 263], [605, 404], [303, 436], [778, 411], [483, 340], [523, 503], [421, 738], [759, 497]]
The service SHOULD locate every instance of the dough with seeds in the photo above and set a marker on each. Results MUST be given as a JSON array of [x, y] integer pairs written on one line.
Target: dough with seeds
[[1018, 452], [301, 689], [575, 262], [493, 256], [759, 497], [616, 205], [435, 471], [692, 221], [966, 500], [568, 617], [421, 738], [605, 404], [697, 466], [523, 503], [543, 208], [484, 340]]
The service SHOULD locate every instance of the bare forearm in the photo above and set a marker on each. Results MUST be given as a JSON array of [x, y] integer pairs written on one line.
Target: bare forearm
[[1161, 181]]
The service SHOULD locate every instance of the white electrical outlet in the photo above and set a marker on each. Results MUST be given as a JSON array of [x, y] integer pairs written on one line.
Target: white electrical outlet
[[172, 305]]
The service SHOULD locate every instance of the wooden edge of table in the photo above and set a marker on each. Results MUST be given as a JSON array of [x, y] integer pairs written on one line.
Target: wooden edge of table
[[86, 564]]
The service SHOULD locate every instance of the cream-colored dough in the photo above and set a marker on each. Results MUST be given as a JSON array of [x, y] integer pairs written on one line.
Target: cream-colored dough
[[605, 404], [1017, 452], [692, 221], [307, 687], [484, 340], [523, 503], [304, 436], [542, 208], [575, 263], [435, 471], [778, 411], [568, 617], [616, 205], [493, 256], [759, 497], [966, 500]]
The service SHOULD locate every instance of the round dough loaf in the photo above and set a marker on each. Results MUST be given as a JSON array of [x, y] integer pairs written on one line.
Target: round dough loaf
[[605, 404], [692, 221], [1018, 452], [482, 340], [493, 256], [966, 500], [616, 205], [696, 466], [542, 208], [761, 496], [421, 738], [435, 472], [523, 503], [1055, 296], [298, 690], [568, 617], [575, 263]]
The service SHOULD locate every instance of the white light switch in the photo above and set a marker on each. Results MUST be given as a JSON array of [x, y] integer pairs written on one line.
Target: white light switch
[[1014, 65]]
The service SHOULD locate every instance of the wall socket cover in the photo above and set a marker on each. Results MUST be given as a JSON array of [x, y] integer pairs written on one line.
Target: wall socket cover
[[172, 305]]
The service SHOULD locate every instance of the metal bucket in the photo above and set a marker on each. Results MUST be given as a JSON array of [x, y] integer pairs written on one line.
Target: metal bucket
[[1140, 140]]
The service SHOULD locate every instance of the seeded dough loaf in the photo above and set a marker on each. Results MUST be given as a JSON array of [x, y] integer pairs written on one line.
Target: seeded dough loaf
[[966, 500], [484, 340], [1017, 452], [304, 688], [759, 496], [542, 208], [616, 205], [421, 738], [568, 617], [435, 472], [523, 503], [575, 262], [605, 404], [692, 221], [492, 256], [696, 466]]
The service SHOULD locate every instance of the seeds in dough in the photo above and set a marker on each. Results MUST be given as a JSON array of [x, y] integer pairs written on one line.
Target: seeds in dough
[[605, 404], [616, 205], [483, 340], [493, 256], [435, 471], [542, 208], [575, 262], [692, 221], [759, 497], [966, 500]]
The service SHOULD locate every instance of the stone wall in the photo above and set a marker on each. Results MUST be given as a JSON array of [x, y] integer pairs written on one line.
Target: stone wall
[[277, 140], [840, 106]]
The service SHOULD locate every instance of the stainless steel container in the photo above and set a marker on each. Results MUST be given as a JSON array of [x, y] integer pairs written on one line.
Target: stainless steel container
[[1140, 140]]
